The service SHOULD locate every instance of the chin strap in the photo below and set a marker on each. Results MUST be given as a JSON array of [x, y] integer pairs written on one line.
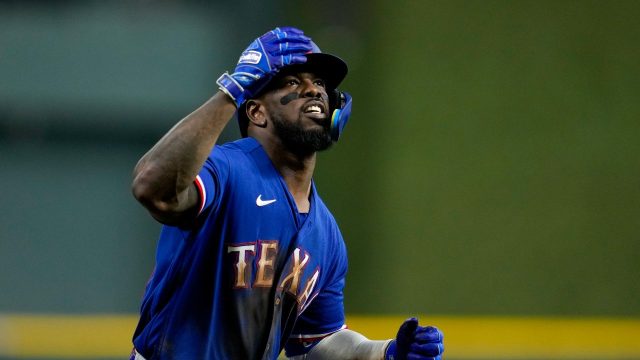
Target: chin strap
[[340, 116]]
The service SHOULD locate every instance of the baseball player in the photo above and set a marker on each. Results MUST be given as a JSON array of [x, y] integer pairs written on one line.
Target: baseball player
[[250, 261]]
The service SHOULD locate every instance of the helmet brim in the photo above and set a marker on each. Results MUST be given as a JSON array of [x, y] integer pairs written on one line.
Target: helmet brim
[[330, 67]]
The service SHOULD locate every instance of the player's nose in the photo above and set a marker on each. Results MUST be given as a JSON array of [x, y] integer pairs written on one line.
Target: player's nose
[[310, 89]]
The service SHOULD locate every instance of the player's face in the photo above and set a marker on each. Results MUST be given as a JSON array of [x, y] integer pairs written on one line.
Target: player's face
[[299, 111]]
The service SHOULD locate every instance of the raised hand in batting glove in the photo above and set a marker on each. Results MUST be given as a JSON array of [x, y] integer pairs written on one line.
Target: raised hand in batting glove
[[415, 342], [262, 59]]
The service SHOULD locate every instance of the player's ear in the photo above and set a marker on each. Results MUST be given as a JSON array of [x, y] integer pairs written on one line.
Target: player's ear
[[256, 113]]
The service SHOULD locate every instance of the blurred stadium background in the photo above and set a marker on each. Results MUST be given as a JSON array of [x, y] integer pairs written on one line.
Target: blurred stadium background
[[489, 180]]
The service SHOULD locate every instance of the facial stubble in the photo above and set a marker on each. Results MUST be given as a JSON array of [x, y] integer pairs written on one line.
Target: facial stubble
[[299, 140]]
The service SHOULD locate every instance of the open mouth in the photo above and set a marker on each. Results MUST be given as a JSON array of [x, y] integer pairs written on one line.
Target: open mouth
[[314, 110]]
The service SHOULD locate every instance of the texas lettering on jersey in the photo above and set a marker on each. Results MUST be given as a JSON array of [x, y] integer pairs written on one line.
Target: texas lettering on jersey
[[250, 277], [293, 281]]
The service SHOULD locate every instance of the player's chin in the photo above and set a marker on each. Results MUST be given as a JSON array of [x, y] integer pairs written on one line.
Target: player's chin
[[318, 130], [307, 124], [305, 136], [313, 140]]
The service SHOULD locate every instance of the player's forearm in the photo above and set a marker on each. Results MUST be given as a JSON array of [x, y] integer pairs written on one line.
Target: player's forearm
[[347, 345], [162, 177]]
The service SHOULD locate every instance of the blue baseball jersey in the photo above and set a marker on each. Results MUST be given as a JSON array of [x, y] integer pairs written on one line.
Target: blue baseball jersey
[[252, 276]]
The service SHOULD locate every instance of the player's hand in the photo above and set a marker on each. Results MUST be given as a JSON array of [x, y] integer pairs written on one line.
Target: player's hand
[[262, 59], [415, 342]]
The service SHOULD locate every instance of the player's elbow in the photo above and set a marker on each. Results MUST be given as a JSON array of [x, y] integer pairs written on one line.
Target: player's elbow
[[162, 201], [141, 191], [145, 190]]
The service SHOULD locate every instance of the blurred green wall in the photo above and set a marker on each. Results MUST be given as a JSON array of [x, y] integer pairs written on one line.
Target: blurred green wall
[[490, 167], [492, 164]]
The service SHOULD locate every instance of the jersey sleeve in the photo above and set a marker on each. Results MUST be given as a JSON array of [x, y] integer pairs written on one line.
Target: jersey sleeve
[[324, 315], [210, 181]]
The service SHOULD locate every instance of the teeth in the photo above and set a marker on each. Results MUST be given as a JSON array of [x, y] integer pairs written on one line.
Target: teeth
[[313, 109]]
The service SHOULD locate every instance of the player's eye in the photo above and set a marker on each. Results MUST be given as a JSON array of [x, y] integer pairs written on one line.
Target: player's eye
[[320, 82], [292, 82]]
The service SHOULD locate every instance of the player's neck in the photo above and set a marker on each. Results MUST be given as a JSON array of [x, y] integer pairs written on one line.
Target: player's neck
[[297, 173], [295, 168], [288, 163]]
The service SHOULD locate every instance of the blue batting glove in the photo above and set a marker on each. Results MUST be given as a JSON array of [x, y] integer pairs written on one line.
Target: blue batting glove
[[262, 59], [415, 342]]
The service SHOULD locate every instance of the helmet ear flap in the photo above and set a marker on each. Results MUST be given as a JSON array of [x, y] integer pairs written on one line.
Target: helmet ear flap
[[340, 103], [335, 101]]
